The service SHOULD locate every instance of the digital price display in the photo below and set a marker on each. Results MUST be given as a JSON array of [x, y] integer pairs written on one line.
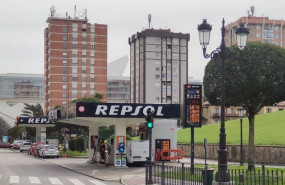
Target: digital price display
[[193, 105]]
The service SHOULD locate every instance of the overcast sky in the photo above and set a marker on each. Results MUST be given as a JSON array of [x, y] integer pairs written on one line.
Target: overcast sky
[[22, 24]]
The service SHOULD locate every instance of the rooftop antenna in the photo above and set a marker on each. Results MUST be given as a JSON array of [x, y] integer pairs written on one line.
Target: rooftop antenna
[[52, 11], [149, 20], [75, 11], [66, 14], [85, 12], [252, 8]]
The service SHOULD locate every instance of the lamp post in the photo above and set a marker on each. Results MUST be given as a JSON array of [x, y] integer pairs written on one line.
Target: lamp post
[[204, 35], [240, 114]]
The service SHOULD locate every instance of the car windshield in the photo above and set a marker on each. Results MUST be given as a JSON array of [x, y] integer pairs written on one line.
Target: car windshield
[[50, 147]]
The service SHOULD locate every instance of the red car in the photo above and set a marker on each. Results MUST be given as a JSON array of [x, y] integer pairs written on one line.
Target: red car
[[32, 150], [5, 145]]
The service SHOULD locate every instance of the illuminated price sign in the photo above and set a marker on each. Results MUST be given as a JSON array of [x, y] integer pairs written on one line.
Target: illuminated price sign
[[193, 105]]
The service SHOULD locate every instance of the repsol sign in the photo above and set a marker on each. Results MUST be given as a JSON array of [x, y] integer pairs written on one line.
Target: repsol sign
[[33, 120], [126, 110]]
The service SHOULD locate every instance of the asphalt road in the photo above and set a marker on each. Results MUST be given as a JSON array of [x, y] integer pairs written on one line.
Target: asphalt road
[[19, 168]]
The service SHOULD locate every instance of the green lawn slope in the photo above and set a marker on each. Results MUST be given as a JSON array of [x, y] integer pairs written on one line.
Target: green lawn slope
[[269, 130]]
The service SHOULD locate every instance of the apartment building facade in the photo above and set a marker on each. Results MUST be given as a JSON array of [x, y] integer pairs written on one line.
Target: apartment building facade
[[75, 60], [158, 66], [261, 29]]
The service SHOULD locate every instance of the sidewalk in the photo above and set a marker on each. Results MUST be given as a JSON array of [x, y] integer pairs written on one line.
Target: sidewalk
[[126, 175]]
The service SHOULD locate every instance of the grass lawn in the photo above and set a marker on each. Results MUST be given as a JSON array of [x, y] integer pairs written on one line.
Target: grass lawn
[[269, 130]]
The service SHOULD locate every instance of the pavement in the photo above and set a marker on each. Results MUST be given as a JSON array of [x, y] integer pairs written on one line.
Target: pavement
[[125, 175]]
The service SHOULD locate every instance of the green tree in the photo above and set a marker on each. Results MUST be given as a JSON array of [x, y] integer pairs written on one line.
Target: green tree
[[16, 132], [254, 78], [4, 127], [97, 98]]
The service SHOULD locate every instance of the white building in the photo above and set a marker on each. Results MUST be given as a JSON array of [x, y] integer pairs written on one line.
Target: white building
[[159, 66]]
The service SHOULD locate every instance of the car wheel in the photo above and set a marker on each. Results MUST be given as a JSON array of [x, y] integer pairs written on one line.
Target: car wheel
[[21, 150]]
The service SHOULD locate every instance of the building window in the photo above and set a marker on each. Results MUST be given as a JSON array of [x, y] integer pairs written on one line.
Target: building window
[[74, 94], [74, 46], [92, 55], [64, 29], [83, 46], [64, 38], [216, 121], [92, 46], [64, 95], [74, 54], [168, 46], [83, 38], [83, 63], [83, 87], [74, 71], [64, 87], [157, 68], [74, 27], [157, 76], [64, 71], [157, 54], [83, 71], [64, 79], [92, 71], [64, 63], [83, 79], [276, 27], [92, 79], [157, 46], [74, 79], [174, 47], [157, 39], [268, 110], [92, 63], [258, 27], [74, 86], [64, 103], [216, 111], [258, 35], [233, 111], [64, 46], [157, 98], [92, 39], [168, 39], [83, 54], [64, 54], [74, 38]]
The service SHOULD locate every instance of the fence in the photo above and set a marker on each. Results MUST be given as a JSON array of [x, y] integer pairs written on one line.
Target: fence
[[182, 174]]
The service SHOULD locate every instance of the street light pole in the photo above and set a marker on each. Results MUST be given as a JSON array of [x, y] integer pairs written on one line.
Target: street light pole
[[204, 35], [240, 114]]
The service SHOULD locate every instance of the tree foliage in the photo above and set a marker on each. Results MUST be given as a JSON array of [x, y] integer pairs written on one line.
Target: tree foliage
[[32, 110], [94, 99], [4, 127], [254, 78]]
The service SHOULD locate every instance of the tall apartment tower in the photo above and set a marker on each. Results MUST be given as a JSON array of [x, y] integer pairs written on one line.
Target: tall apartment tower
[[159, 66], [75, 59], [262, 29]]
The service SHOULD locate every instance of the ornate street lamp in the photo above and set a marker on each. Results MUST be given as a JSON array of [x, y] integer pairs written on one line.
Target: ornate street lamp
[[242, 33], [204, 35], [240, 115]]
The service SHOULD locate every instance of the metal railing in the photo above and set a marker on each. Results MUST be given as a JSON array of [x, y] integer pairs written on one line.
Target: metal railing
[[182, 174]]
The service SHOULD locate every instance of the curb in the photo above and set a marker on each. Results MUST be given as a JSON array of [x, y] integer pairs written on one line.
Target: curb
[[129, 176]]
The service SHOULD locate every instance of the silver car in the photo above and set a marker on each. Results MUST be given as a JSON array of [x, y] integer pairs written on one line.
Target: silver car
[[25, 146], [49, 151]]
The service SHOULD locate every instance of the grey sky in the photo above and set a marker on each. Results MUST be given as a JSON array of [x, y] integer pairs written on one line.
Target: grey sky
[[22, 24]]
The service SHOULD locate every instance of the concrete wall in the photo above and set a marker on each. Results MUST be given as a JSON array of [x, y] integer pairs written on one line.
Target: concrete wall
[[263, 154]]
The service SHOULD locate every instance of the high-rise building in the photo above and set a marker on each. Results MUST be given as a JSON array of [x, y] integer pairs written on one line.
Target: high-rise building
[[159, 66], [75, 59], [261, 29]]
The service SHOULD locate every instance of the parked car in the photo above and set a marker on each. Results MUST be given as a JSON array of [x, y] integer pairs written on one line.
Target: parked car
[[37, 149], [49, 151], [17, 143], [5, 145], [32, 150], [25, 146]]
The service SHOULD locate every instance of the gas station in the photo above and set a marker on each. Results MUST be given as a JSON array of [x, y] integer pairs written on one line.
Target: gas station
[[95, 115]]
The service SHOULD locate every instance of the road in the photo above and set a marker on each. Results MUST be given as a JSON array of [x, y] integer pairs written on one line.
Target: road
[[20, 168]]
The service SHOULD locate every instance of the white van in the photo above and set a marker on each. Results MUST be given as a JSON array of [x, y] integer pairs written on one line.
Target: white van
[[137, 151]]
